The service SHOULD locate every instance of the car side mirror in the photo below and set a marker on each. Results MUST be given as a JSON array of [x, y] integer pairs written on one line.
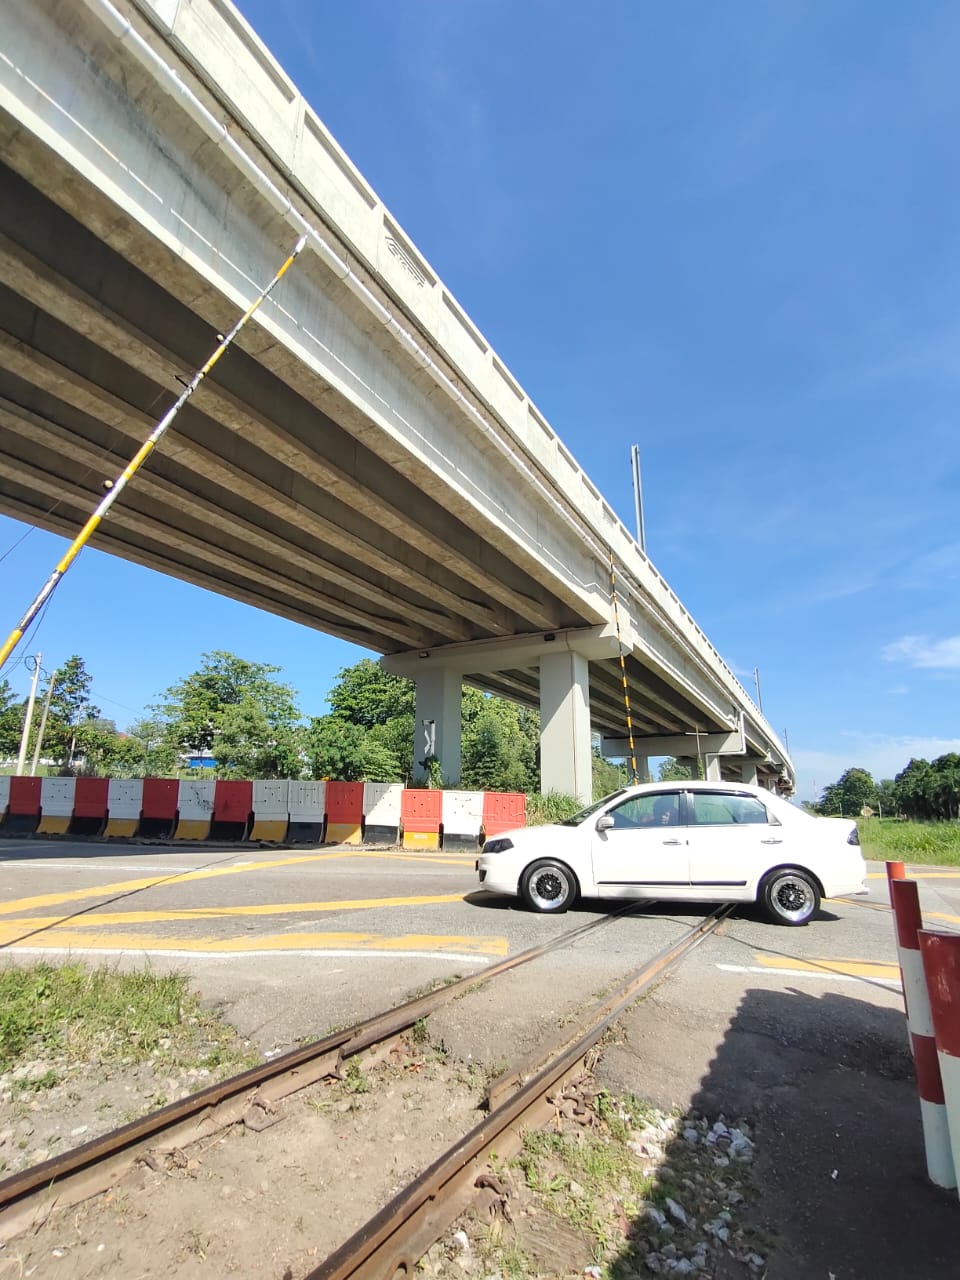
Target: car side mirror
[[605, 823]]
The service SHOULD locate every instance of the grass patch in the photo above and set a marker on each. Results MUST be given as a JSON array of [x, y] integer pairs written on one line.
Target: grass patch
[[100, 1014], [552, 807], [928, 843]]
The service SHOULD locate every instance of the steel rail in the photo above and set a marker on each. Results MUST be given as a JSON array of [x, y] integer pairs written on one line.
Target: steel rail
[[391, 1243], [94, 1166]]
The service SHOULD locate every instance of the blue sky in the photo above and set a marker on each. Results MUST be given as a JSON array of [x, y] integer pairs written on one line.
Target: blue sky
[[726, 233]]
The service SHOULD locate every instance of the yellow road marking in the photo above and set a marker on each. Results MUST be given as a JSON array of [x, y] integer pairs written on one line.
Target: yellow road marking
[[885, 906], [97, 919], [130, 886], [852, 968], [465, 860], [917, 875], [66, 939]]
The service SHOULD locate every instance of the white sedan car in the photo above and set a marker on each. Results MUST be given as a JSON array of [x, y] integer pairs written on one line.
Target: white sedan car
[[683, 841]]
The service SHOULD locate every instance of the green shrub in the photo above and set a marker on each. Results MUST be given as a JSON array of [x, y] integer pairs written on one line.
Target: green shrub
[[552, 807]]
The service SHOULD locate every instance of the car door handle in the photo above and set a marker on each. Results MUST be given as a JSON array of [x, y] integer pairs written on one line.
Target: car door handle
[[674, 842], [772, 840]]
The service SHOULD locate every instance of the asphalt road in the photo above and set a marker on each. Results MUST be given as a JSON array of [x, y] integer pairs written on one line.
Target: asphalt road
[[293, 941], [800, 1031]]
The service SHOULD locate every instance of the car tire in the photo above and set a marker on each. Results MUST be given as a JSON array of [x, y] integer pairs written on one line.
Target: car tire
[[548, 886], [790, 896]]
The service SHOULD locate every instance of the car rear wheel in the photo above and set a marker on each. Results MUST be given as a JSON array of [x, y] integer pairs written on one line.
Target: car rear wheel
[[548, 885], [790, 896]]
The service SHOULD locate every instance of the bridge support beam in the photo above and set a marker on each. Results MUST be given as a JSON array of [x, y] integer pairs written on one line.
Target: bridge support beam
[[437, 731], [748, 772], [566, 757]]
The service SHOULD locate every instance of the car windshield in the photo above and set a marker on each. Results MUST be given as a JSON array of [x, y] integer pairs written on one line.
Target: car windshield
[[582, 816]]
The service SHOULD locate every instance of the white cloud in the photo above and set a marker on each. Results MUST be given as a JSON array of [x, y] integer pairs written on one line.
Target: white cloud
[[882, 756], [921, 652]]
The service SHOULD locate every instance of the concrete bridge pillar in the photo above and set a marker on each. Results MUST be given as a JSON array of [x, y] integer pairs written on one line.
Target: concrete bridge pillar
[[748, 772], [566, 755], [711, 768], [437, 729]]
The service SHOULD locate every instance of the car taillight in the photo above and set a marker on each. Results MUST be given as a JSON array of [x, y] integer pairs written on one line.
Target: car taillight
[[853, 837]]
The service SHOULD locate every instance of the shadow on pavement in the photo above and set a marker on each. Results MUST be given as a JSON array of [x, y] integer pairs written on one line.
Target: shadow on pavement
[[832, 1168]]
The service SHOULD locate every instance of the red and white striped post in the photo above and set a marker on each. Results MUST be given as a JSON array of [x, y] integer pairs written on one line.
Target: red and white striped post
[[933, 1111], [895, 871], [941, 965]]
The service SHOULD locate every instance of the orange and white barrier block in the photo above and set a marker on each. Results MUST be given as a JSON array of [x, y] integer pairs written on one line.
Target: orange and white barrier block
[[344, 812], [421, 814], [930, 1086], [941, 965]]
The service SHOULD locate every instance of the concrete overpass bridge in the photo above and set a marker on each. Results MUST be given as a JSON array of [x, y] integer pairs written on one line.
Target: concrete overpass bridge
[[361, 461]]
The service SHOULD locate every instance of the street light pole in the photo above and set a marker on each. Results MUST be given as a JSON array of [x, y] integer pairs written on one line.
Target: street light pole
[[638, 497]]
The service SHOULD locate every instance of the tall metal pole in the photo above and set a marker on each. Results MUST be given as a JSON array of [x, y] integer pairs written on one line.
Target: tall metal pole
[[28, 717], [638, 496], [756, 681], [115, 487]]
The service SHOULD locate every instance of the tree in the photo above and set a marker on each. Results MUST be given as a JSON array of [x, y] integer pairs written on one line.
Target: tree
[[607, 776], [853, 791], [499, 739], [335, 749], [70, 706], [246, 745], [887, 798], [369, 695], [946, 786], [238, 705], [11, 720], [498, 750], [672, 770], [913, 786], [150, 752]]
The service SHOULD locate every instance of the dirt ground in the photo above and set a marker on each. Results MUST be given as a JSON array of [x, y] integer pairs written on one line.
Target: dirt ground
[[818, 1076]]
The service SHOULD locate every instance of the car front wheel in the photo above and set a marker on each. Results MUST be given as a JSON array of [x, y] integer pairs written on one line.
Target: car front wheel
[[548, 886], [790, 896]]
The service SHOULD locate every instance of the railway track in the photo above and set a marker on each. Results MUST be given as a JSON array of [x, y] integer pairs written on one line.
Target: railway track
[[390, 1244]]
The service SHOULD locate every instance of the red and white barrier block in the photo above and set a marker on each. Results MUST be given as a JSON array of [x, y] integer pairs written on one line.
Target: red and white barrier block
[[905, 898], [941, 966]]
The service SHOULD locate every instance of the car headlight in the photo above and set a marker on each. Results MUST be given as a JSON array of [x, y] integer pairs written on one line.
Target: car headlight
[[498, 846], [853, 837]]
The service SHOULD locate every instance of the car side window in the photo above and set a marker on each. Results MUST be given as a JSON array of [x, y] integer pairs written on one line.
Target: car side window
[[646, 812], [717, 808]]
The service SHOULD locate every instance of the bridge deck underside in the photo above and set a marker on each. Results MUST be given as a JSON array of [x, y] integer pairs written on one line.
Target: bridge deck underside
[[257, 493]]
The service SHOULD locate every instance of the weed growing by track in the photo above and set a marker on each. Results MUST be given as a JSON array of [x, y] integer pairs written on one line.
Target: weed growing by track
[[927, 843], [73, 1013], [614, 1190]]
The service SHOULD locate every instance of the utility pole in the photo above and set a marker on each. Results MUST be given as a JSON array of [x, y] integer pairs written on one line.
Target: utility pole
[[43, 724], [25, 736], [638, 496]]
